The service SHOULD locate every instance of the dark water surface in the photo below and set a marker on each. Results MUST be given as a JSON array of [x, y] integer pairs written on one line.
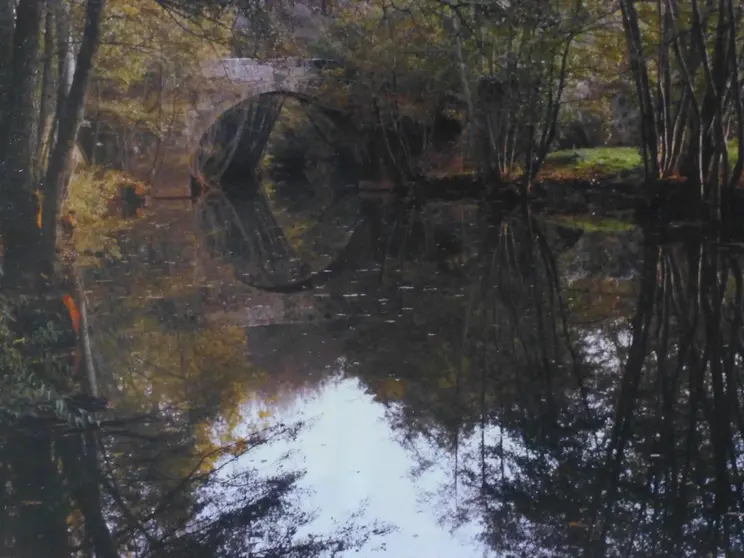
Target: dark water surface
[[383, 379], [458, 381]]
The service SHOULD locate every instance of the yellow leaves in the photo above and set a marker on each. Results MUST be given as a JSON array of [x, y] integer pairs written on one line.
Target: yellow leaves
[[75, 518], [125, 8], [392, 389], [39, 203], [202, 369], [264, 414], [86, 211], [146, 54], [139, 36], [90, 192], [211, 455]]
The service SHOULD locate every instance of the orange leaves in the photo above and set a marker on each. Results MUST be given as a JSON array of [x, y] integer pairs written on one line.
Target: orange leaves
[[39, 196], [69, 220], [69, 223], [74, 313], [72, 309]]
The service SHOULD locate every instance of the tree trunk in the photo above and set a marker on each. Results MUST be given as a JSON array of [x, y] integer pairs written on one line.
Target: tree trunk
[[17, 213], [58, 172], [80, 463], [465, 84], [7, 24], [39, 528]]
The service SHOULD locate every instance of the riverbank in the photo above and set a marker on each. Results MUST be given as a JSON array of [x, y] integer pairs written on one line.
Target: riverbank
[[599, 183]]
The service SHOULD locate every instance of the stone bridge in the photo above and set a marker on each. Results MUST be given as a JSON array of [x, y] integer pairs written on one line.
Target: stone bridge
[[228, 82], [219, 86]]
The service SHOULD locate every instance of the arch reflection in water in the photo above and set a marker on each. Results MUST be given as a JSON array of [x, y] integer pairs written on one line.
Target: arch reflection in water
[[279, 206]]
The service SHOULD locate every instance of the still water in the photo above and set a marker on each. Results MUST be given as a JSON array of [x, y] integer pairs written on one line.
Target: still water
[[438, 379]]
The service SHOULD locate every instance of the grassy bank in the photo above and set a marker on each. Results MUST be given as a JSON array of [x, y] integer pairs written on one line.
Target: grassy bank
[[598, 162], [592, 223]]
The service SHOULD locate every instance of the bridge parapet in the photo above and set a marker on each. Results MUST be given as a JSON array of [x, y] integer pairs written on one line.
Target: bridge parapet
[[219, 86], [227, 82], [241, 69]]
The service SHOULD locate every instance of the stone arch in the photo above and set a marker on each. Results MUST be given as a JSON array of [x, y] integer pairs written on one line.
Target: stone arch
[[226, 88], [229, 82], [217, 87]]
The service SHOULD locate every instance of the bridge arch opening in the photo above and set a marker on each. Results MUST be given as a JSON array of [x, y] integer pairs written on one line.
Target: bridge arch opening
[[274, 183]]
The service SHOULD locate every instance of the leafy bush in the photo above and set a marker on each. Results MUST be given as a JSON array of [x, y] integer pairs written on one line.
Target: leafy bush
[[88, 204], [33, 379]]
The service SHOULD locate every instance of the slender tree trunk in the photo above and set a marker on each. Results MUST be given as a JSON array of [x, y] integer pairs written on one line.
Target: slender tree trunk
[[703, 43], [734, 58], [90, 377], [640, 74], [606, 490], [7, 25], [65, 62], [57, 175], [553, 111], [465, 84], [48, 80]]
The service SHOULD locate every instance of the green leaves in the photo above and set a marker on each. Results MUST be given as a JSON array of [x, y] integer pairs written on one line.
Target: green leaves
[[29, 373]]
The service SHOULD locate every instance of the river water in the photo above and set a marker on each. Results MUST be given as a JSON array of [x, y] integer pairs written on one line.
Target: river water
[[441, 379]]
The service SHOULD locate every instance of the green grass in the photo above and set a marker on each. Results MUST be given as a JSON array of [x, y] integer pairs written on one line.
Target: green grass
[[598, 160], [733, 152], [603, 162], [592, 224]]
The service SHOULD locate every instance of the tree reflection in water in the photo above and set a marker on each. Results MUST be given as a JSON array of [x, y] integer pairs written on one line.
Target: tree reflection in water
[[600, 420]]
